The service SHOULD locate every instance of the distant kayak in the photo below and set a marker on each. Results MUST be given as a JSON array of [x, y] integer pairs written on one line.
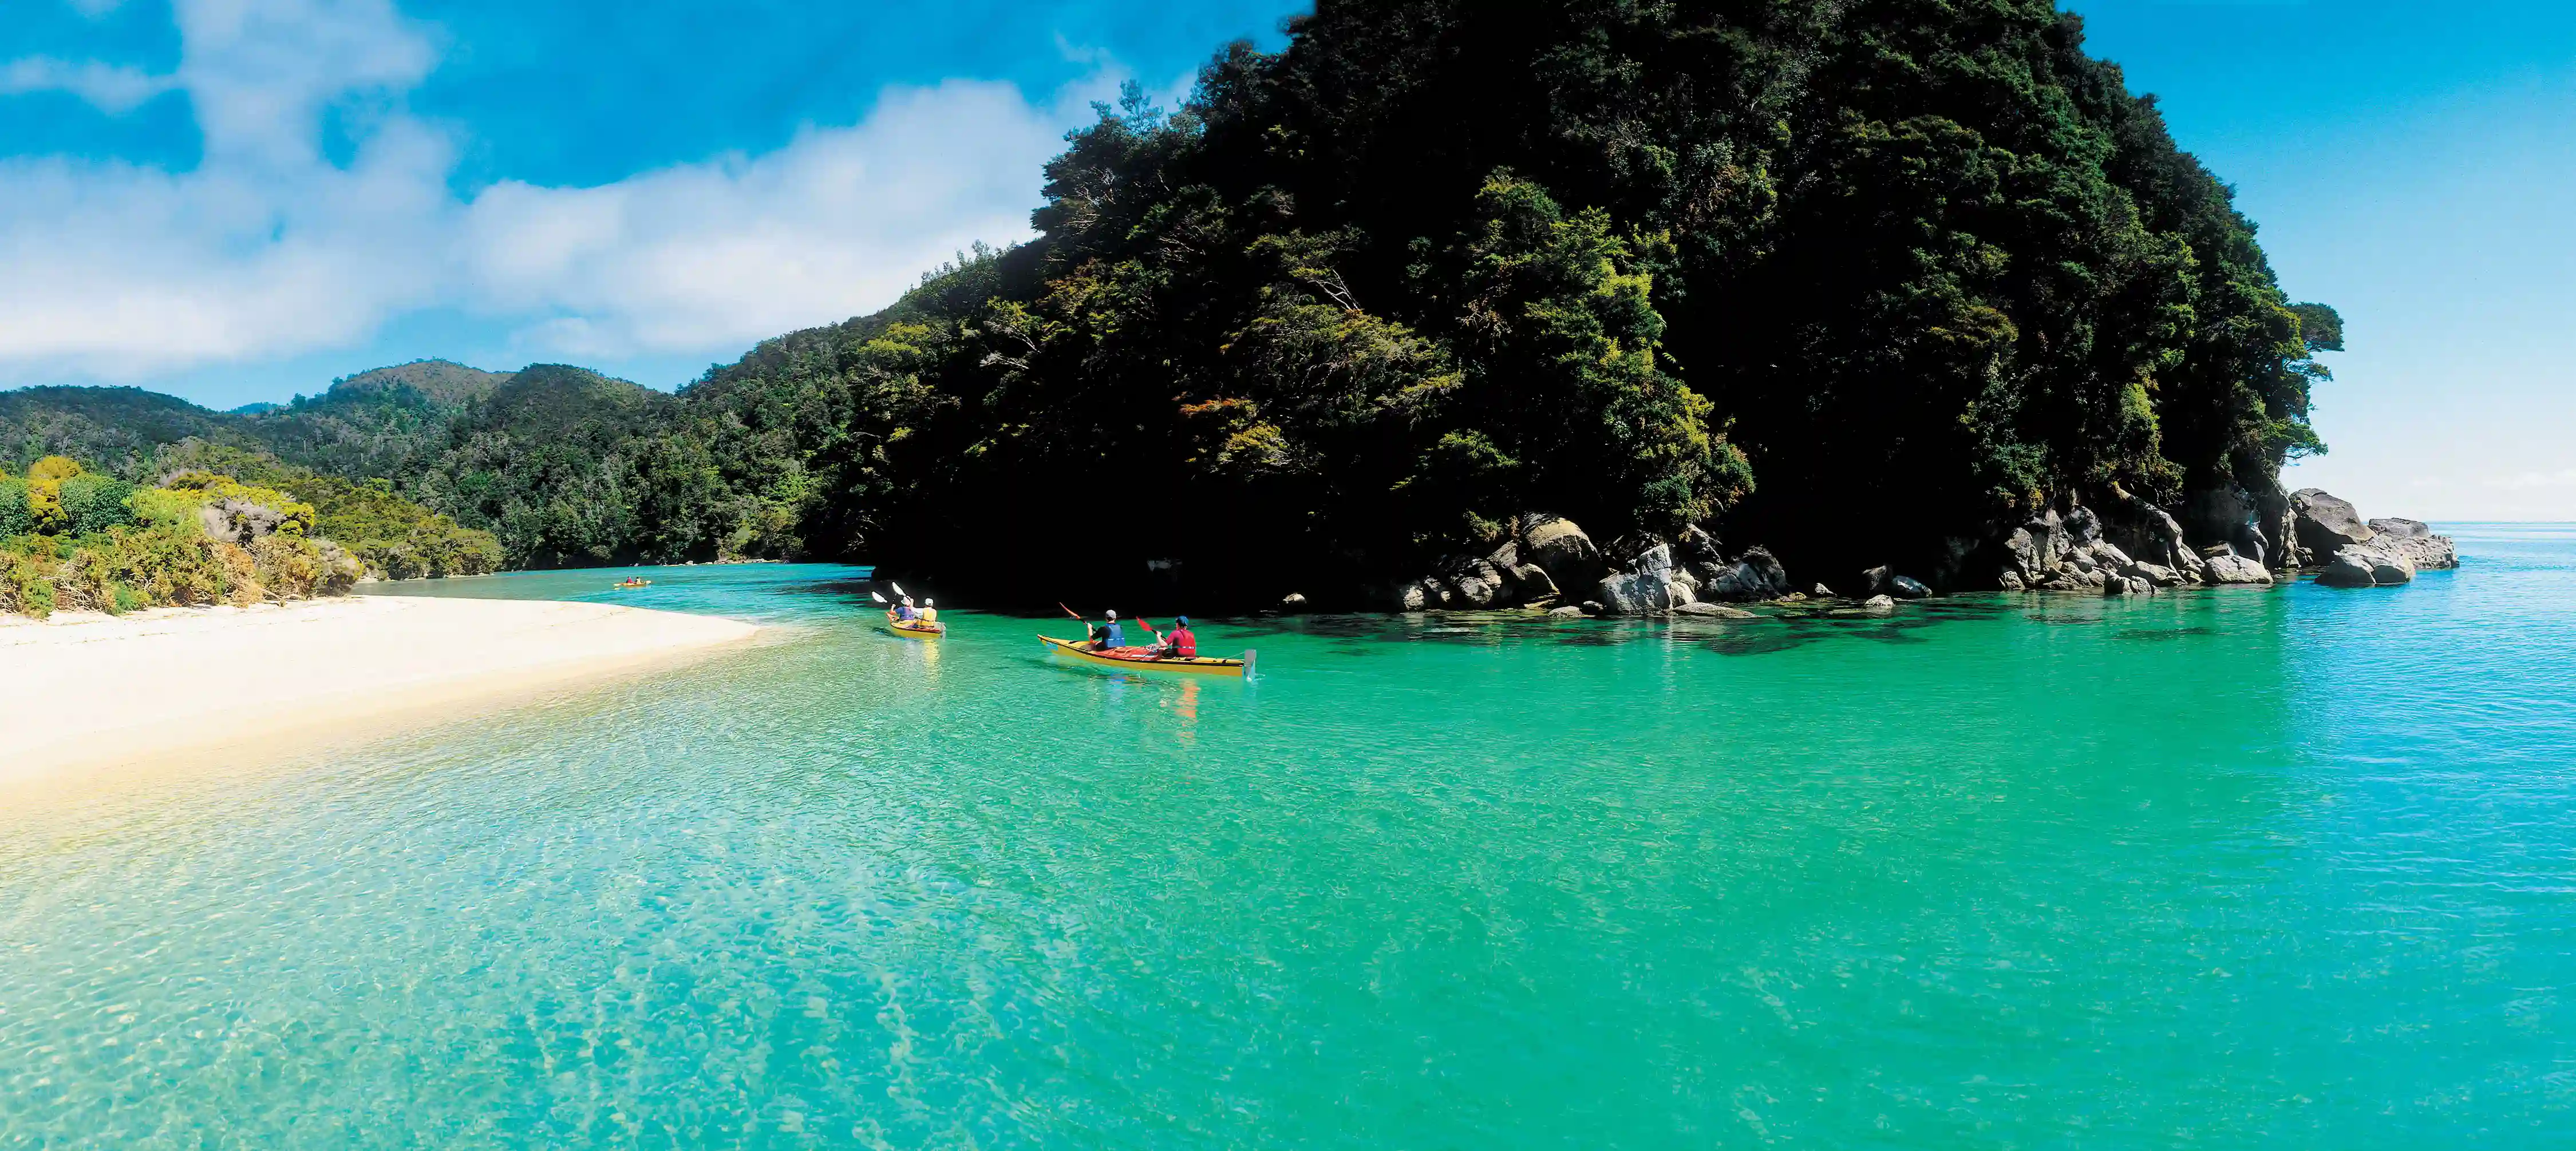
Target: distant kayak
[[915, 629], [1142, 659], [627, 585]]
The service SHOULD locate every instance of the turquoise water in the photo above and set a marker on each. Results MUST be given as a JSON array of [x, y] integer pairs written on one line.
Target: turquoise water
[[2234, 868]]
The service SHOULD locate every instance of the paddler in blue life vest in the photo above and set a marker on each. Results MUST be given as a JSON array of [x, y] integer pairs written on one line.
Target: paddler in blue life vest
[[1106, 636], [1179, 644], [904, 612]]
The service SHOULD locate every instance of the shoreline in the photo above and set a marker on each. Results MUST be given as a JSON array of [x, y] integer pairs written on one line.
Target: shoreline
[[181, 689]]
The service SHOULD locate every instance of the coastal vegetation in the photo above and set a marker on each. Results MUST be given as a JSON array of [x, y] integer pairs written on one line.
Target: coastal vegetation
[[1873, 284], [222, 526]]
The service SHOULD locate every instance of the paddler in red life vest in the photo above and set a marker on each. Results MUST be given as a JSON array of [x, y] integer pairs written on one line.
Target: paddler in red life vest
[[1180, 644]]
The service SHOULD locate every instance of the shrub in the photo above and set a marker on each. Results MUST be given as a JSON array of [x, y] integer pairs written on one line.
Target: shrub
[[288, 568], [156, 507], [94, 503], [241, 575], [158, 565], [16, 517], [28, 564]]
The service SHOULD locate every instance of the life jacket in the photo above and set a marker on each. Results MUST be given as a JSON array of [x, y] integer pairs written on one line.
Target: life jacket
[[1184, 644]]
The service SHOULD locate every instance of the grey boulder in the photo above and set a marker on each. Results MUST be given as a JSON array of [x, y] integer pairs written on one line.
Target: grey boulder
[[2227, 567], [1561, 548], [2327, 525], [1755, 575]]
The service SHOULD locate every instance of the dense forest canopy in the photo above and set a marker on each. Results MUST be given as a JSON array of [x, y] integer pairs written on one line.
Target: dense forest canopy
[[1868, 281]]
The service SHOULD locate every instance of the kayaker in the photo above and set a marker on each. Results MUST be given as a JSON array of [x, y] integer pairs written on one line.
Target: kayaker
[[1179, 644], [930, 611], [904, 612], [1106, 636]]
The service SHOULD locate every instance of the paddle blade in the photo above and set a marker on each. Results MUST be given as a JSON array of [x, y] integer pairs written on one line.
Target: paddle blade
[[876, 597], [898, 588]]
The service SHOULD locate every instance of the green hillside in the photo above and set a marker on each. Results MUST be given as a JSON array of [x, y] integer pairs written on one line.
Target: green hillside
[[1867, 282]]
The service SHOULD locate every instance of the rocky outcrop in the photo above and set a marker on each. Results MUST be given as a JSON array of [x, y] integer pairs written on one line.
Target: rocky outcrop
[[2366, 566], [1500, 578], [2224, 566], [1633, 593], [1885, 581], [1753, 576], [2414, 541], [1561, 549], [234, 520], [2327, 525], [2255, 523], [2390, 550], [2131, 547], [1647, 575]]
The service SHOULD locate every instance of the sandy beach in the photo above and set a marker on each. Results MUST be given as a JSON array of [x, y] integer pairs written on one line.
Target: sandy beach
[[168, 687]]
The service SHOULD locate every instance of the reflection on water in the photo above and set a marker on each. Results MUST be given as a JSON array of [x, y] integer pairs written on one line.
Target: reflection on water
[[2238, 867]]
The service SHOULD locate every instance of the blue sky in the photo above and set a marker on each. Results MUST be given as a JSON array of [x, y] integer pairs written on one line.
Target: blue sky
[[238, 200]]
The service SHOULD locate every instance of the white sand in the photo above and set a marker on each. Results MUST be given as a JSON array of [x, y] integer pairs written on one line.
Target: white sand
[[168, 687]]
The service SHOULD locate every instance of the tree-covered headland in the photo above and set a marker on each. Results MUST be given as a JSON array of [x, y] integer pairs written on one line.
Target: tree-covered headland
[[1869, 282]]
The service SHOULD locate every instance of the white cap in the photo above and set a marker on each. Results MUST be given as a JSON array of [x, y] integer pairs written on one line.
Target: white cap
[[1113, 613], [928, 602]]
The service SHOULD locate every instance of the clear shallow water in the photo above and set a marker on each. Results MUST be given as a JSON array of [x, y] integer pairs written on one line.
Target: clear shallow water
[[2233, 868]]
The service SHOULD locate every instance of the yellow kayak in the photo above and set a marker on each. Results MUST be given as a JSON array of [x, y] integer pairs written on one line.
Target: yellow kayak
[[915, 629], [1135, 659]]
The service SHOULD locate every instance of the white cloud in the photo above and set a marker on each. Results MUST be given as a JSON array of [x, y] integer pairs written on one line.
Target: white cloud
[[268, 249], [117, 90], [839, 222]]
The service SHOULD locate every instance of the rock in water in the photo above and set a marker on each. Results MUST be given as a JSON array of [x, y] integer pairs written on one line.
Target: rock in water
[[2347, 570], [1755, 575], [2227, 567], [1713, 611], [1534, 583], [1620, 593], [2414, 541], [1560, 548], [2010, 580], [2327, 525], [1565, 613], [2389, 570], [1292, 603]]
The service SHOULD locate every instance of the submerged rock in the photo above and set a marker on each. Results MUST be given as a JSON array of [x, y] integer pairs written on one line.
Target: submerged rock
[[1713, 611]]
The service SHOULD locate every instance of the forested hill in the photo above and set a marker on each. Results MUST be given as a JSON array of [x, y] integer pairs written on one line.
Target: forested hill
[[1867, 281]]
